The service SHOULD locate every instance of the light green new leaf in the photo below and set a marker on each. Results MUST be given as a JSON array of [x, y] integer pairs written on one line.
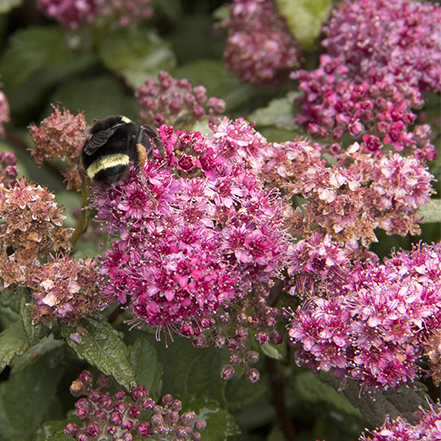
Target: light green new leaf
[[305, 18], [135, 53], [7, 5], [279, 113], [278, 352], [104, 348], [431, 212]]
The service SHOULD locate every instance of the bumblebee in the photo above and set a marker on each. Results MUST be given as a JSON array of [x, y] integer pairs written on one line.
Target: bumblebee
[[113, 144]]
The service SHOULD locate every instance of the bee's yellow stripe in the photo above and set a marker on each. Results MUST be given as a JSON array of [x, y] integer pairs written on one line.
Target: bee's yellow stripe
[[107, 162]]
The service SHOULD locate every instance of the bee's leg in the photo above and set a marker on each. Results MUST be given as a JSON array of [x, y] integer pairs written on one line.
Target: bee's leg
[[150, 135]]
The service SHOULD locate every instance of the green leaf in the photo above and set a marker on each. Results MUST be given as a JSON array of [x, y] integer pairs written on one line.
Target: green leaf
[[53, 431], [312, 388], [7, 5], [197, 371], [305, 18], [431, 211], [104, 348], [279, 113], [220, 423], [30, 50], [278, 352], [390, 402], [172, 9], [149, 370], [33, 333], [10, 299], [13, 342], [218, 81], [135, 53], [98, 97], [194, 38], [242, 396], [26, 396], [44, 346]]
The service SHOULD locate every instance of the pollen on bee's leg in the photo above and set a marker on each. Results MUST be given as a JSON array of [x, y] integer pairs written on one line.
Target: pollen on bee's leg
[[142, 155]]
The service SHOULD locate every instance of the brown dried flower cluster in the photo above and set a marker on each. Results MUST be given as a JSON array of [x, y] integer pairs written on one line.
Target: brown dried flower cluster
[[31, 233], [61, 135]]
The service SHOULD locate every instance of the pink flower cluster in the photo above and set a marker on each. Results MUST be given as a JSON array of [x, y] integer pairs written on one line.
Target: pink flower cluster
[[428, 427], [125, 417], [8, 170], [175, 102], [4, 111], [364, 189], [381, 55], [260, 47], [368, 322], [71, 13], [199, 233]]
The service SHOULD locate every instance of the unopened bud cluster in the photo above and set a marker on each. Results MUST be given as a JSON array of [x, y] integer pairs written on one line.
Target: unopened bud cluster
[[176, 103], [232, 327], [119, 416]]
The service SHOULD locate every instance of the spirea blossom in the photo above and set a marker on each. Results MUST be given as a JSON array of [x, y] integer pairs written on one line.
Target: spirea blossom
[[4, 111], [176, 102], [198, 235], [33, 255], [64, 288], [364, 189], [71, 13], [370, 324], [125, 417], [260, 48], [8, 170], [61, 135], [381, 55], [428, 427]]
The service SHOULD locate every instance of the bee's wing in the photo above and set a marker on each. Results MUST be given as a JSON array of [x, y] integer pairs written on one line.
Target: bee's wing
[[97, 140]]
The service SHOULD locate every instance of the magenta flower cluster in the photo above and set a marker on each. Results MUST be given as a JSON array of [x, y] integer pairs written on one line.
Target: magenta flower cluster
[[199, 233], [381, 56], [260, 48], [70, 13], [369, 321], [428, 427]]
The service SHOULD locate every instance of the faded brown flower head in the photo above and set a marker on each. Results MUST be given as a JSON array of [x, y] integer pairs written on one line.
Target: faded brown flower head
[[32, 220], [60, 135], [65, 289], [31, 238]]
